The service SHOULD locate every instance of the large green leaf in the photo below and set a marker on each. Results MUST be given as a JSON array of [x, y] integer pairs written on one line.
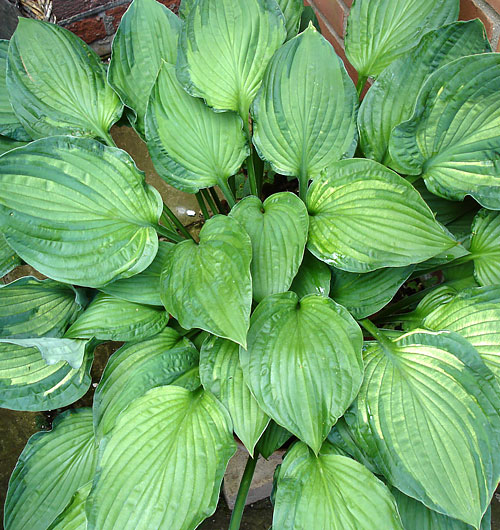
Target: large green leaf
[[148, 32], [57, 84], [191, 146], [8, 258], [365, 294], [7, 144], [224, 49], [378, 33], [303, 363], [52, 466], [73, 517], [292, 11], [28, 382], [364, 217], [208, 285], [136, 368], [391, 100], [313, 277], [485, 247], [432, 390], [9, 124], [330, 492], [185, 7], [298, 126], [77, 211], [278, 231], [162, 465], [272, 439], [221, 374], [110, 318], [452, 138]]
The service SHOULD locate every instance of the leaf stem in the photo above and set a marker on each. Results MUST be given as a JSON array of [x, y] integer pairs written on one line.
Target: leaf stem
[[209, 201], [252, 179], [169, 234], [202, 205], [105, 135], [215, 197], [171, 215], [360, 85], [226, 190], [241, 498], [303, 181], [382, 339]]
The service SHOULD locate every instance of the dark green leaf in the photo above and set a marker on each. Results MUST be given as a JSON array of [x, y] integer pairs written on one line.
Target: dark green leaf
[[272, 439], [73, 517], [313, 277], [6, 144], [292, 11], [485, 247], [8, 258]]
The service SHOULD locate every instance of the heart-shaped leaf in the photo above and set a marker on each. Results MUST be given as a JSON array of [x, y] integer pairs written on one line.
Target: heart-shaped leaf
[[452, 138], [298, 127], [313, 277], [162, 464], [365, 217], [391, 100], [224, 49], [378, 33], [73, 517], [148, 32], [303, 363], [77, 211], [485, 247], [330, 491], [136, 368], [278, 231], [221, 374], [8, 258], [51, 468], [209, 286], [191, 146], [292, 11], [57, 84]]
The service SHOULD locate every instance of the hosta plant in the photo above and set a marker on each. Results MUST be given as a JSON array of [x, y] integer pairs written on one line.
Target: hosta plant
[[353, 319]]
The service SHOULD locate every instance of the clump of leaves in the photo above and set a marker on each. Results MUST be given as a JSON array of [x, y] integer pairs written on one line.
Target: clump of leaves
[[259, 326]]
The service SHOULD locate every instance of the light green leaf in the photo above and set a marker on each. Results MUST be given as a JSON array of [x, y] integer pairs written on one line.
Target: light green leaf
[[364, 217], [272, 439], [7, 144], [365, 294], [485, 247], [77, 211], [391, 99], [292, 11], [162, 464], [143, 288], [379, 33], [432, 390], [148, 32], [136, 368], [191, 146], [51, 468], [330, 491], [303, 363], [452, 138], [185, 7], [9, 124], [313, 277], [278, 231], [57, 84], [8, 258], [208, 285], [298, 127], [73, 517], [221, 374], [28, 382], [110, 318], [224, 49]]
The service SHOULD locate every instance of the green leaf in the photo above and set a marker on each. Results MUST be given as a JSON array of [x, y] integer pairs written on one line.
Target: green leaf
[[110, 318], [7, 144], [485, 247], [278, 231], [364, 217], [77, 211], [391, 99], [208, 285], [136, 368], [28, 382], [452, 138], [224, 49], [330, 491], [57, 84], [432, 390], [365, 294], [298, 127], [191, 146], [9, 260], [148, 32], [313, 277], [9, 124], [185, 7], [221, 374], [377, 34], [73, 517], [51, 468], [162, 464], [272, 439], [292, 11], [143, 288], [303, 363]]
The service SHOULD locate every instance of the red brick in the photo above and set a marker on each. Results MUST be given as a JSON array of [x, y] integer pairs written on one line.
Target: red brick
[[89, 29], [64, 9], [470, 9], [495, 4], [116, 14], [348, 3], [173, 5], [334, 12]]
